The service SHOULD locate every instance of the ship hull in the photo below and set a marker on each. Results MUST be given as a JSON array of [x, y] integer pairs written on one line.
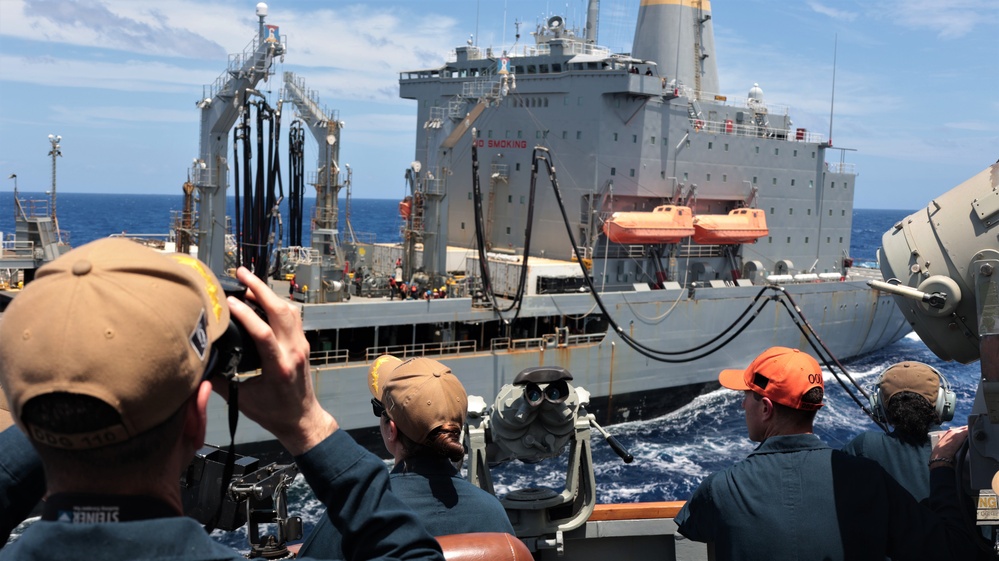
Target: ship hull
[[849, 317]]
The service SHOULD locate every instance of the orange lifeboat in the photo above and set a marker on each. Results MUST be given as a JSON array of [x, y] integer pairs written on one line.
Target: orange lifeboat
[[405, 208], [665, 224], [742, 225]]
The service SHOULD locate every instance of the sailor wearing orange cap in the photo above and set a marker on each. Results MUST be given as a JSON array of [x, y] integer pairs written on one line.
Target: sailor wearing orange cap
[[796, 498]]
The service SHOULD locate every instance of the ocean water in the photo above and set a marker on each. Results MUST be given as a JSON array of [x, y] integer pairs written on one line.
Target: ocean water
[[672, 453]]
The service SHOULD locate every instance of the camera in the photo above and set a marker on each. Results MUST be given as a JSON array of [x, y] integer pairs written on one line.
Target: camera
[[235, 351]]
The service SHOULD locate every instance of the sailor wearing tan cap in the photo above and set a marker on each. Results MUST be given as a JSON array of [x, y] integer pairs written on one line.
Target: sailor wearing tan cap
[[796, 498], [421, 406], [914, 398], [104, 359]]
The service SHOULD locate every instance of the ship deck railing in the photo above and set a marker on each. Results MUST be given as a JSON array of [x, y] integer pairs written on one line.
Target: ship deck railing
[[17, 248], [543, 49], [421, 349], [318, 358], [508, 344], [328, 357]]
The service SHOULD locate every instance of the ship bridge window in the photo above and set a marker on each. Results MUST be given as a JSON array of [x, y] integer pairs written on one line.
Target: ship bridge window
[[613, 171], [711, 145], [832, 185], [509, 199], [842, 213], [632, 172], [556, 67], [545, 100], [790, 210], [615, 137], [757, 149], [795, 154], [543, 68], [809, 212], [463, 224], [517, 167], [565, 135], [754, 180], [792, 183], [508, 230], [726, 146], [634, 138], [518, 69], [653, 140], [841, 239], [813, 154], [776, 151]]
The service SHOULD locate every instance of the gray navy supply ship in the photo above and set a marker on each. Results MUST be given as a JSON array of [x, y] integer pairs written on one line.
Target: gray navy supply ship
[[609, 214]]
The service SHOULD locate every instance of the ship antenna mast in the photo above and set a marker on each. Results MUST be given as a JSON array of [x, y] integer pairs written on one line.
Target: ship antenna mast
[[832, 100]]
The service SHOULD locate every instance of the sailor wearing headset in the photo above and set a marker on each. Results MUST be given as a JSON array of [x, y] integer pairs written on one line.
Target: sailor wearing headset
[[914, 398]]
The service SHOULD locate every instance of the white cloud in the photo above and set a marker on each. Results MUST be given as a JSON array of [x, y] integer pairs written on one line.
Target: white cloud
[[842, 15]]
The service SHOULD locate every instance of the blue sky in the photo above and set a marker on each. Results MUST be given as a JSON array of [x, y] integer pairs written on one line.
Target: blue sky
[[917, 81]]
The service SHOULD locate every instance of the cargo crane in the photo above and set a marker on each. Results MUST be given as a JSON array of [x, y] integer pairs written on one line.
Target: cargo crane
[[220, 106], [325, 128], [324, 266]]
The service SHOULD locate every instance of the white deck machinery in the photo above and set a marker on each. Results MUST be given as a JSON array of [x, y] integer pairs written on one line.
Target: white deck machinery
[[942, 265], [536, 419]]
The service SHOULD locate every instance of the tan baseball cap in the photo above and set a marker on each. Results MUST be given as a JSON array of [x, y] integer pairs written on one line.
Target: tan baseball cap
[[914, 377], [419, 394], [116, 321]]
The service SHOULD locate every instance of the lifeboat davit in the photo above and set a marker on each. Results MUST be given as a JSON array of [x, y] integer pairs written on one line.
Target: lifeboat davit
[[665, 224], [742, 225]]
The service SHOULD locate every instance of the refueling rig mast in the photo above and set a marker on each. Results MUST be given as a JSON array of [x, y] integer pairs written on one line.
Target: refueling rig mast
[[220, 106], [323, 267]]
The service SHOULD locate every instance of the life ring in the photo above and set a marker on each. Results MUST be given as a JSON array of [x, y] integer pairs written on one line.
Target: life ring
[[698, 124]]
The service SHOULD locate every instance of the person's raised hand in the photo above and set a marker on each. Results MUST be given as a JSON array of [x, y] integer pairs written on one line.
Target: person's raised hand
[[281, 399]]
